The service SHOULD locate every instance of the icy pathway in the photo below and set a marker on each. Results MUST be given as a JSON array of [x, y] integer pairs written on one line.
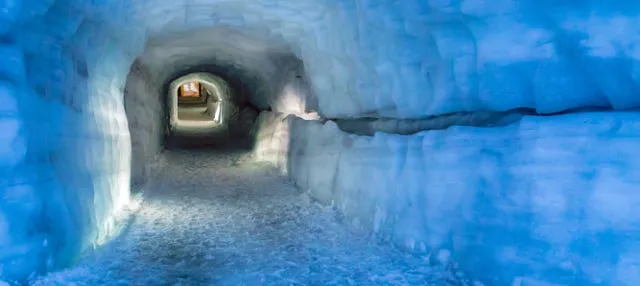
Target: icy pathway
[[217, 218]]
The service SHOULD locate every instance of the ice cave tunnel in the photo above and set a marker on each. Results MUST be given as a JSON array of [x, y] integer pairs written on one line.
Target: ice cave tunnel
[[339, 142]]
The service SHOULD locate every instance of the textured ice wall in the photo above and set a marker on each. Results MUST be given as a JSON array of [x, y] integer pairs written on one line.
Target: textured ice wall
[[65, 145], [548, 200], [65, 64], [146, 117], [415, 58]]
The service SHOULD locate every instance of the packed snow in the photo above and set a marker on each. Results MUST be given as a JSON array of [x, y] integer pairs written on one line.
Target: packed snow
[[219, 218]]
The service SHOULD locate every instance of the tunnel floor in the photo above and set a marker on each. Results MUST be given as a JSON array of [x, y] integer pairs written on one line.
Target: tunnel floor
[[219, 218]]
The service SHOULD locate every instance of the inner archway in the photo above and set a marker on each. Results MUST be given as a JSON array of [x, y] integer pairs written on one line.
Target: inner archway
[[200, 104]]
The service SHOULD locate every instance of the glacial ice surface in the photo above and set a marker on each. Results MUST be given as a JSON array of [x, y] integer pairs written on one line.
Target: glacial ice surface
[[65, 145], [548, 200]]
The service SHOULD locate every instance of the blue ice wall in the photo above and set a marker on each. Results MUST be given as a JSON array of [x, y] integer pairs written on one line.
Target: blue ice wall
[[65, 143], [415, 58], [431, 57], [544, 201]]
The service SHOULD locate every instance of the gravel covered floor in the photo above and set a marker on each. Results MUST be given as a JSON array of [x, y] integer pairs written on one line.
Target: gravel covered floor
[[218, 218]]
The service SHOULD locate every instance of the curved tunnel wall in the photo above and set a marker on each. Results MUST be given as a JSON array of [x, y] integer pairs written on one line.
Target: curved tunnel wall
[[263, 62], [65, 64], [146, 118], [363, 56], [62, 193]]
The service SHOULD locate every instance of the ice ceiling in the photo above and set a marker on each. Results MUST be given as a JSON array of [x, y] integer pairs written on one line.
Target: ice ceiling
[[65, 145]]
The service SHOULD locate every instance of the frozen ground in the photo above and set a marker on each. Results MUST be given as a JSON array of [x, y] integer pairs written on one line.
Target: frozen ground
[[219, 218]]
